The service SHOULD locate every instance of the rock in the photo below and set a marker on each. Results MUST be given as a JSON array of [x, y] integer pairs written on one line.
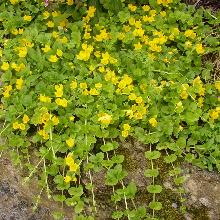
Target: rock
[[203, 188], [16, 200]]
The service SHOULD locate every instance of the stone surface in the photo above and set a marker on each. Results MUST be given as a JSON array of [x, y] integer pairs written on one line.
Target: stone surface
[[16, 199]]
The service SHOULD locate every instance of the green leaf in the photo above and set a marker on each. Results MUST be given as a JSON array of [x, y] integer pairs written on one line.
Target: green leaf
[[154, 188], [59, 198], [114, 175], [151, 172], [155, 205], [107, 147], [123, 16], [131, 190], [117, 214], [152, 155], [170, 158], [79, 207]]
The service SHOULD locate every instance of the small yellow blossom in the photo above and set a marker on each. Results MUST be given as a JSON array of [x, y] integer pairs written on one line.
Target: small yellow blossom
[[137, 46], [44, 98], [105, 118], [132, 7], [61, 102], [67, 179], [83, 85], [59, 53], [25, 119], [126, 127], [153, 122], [13, 2], [184, 94], [74, 167], [217, 85], [50, 24], [72, 118], [146, 8], [16, 125], [22, 51], [46, 15], [53, 58], [55, 120], [27, 18], [98, 85], [190, 34], [214, 114], [46, 49], [124, 133], [59, 90], [69, 2], [5, 66], [70, 142], [22, 126], [200, 49], [94, 92], [73, 84], [19, 83]]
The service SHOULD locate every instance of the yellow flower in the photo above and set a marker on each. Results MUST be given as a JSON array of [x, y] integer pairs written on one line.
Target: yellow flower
[[124, 133], [22, 126], [44, 134], [44, 98], [188, 44], [132, 7], [217, 85], [16, 125], [69, 2], [163, 13], [146, 7], [59, 90], [13, 2], [137, 46], [67, 179], [105, 118], [25, 119], [5, 66], [98, 85], [46, 15], [19, 83], [59, 53], [190, 34], [214, 114], [91, 11], [73, 85], [53, 58], [94, 92], [139, 100], [200, 49], [72, 118], [83, 85], [126, 127], [69, 160], [200, 102], [55, 120], [14, 31], [184, 94], [132, 96], [74, 167], [55, 34], [22, 51], [153, 122], [50, 24], [61, 102], [46, 48], [70, 142], [27, 18]]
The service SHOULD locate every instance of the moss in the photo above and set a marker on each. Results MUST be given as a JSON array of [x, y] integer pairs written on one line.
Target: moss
[[199, 213]]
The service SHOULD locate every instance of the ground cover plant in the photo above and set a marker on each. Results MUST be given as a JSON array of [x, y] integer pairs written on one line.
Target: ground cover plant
[[78, 78]]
